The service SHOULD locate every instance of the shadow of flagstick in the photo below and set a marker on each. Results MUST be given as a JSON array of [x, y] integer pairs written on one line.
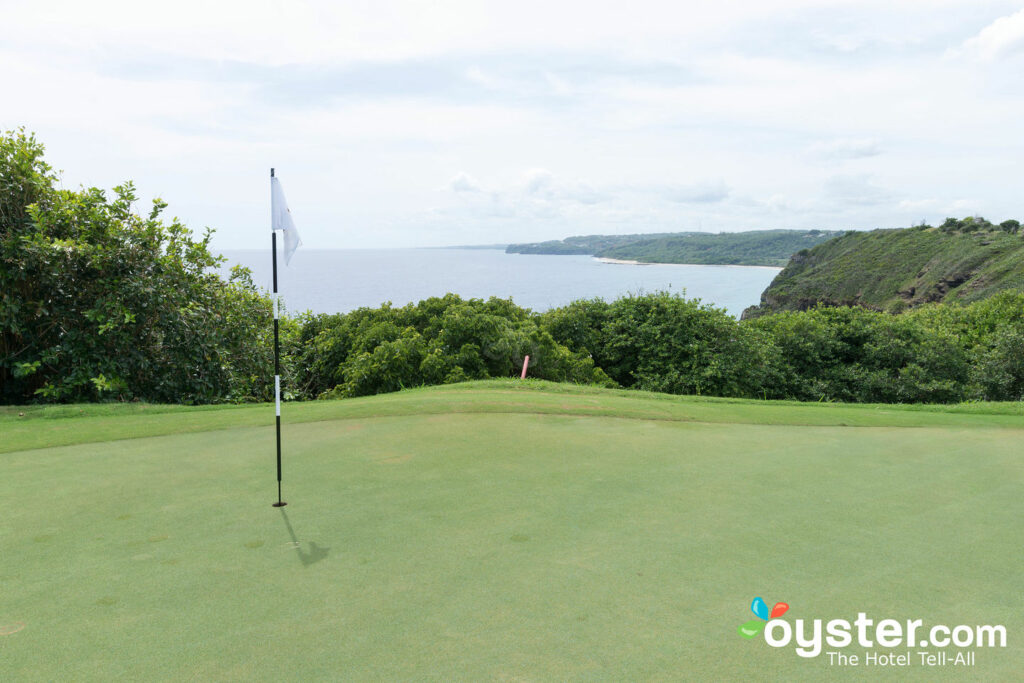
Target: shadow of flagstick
[[315, 554]]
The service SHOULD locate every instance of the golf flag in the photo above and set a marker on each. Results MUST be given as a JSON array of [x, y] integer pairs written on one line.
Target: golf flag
[[281, 219]]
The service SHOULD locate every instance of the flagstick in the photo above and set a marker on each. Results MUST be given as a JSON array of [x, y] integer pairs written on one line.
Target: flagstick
[[277, 366]]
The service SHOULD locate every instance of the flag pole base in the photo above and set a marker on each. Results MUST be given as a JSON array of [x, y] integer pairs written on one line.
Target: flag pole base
[[279, 504]]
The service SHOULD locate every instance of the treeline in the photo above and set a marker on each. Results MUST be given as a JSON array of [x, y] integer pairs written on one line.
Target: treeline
[[436, 341], [663, 342], [940, 353], [98, 302]]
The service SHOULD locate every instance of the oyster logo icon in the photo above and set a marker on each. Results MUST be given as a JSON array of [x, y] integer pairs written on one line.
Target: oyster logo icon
[[760, 609]]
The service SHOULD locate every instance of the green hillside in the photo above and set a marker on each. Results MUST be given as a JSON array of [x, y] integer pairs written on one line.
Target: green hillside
[[752, 248], [579, 244], [892, 270], [499, 530]]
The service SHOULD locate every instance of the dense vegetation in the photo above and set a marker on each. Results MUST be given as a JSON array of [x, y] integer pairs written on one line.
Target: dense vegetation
[[939, 353], [753, 248], [98, 302], [663, 342], [961, 260], [437, 341]]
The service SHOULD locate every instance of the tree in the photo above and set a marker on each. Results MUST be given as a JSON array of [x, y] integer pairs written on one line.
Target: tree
[[99, 302]]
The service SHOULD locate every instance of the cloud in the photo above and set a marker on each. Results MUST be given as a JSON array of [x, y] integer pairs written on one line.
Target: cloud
[[937, 207], [536, 195], [475, 74], [846, 148], [541, 80], [585, 194], [1001, 38], [700, 193], [316, 31], [858, 190], [463, 182], [381, 112], [960, 206], [539, 182], [919, 204]]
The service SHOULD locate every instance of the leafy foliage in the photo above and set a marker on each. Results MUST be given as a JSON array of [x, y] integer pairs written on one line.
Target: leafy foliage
[[852, 354], [940, 353], [662, 342], [437, 341], [99, 302]]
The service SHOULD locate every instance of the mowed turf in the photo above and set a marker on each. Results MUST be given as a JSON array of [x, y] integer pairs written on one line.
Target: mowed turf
[[500, 531]]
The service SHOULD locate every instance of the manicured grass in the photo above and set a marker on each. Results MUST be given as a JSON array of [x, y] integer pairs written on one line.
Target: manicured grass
[[499, 531], [23, 430]]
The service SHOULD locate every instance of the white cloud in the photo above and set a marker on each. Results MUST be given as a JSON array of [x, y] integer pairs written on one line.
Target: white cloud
[[536, 194], [778, 202], [919, 204], [698, 193], [539, 182], [463, 182], [1003, 37], [846, 148], [475, 74], [378, 112], [859, 189]]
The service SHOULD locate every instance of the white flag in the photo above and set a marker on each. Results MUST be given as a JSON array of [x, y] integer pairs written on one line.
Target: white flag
[[281, 219]]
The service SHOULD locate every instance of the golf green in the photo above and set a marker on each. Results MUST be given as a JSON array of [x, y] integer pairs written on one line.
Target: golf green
[[500, 531]]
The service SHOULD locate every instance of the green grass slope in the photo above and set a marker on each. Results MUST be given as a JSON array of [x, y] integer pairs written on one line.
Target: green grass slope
[[497, 530], [895, 269]]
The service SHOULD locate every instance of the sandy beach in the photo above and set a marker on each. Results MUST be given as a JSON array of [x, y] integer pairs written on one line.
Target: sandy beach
[[627, 262]]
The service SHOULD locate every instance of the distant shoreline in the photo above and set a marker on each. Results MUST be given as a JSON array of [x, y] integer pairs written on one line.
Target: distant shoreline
[[627, 262]]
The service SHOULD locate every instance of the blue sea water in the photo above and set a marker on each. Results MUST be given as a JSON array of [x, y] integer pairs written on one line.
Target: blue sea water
[[341, 280]]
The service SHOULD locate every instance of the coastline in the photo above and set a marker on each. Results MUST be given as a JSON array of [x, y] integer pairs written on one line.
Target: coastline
[[627, 262]]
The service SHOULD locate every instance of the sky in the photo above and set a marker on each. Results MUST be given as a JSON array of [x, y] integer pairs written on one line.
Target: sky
[[402, 124]]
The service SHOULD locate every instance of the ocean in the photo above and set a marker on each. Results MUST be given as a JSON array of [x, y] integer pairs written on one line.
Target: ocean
[[341, 280]]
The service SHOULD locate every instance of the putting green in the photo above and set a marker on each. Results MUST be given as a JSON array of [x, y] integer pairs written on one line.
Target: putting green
[[500, 531]]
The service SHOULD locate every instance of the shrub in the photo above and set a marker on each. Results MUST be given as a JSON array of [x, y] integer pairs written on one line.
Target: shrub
[[99, 302]]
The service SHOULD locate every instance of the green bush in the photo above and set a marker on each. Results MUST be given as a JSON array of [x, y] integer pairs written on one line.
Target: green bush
[[98, 302], [853, 354], [664, 342], [936, 354], [997, 373], [439, 340]]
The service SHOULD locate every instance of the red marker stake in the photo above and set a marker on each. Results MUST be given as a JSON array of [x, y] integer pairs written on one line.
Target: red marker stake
[[526, 362]]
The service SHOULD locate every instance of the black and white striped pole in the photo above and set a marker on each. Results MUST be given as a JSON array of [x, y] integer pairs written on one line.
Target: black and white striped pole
[[277, 364]]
